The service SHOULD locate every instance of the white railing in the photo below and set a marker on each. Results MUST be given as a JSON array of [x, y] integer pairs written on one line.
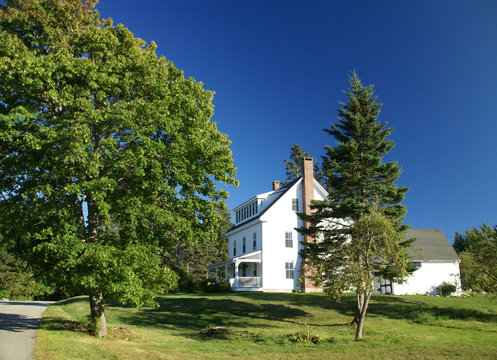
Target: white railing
[[249, 282]]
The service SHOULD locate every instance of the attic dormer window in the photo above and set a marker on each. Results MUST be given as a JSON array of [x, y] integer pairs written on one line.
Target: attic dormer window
[[246, 212]]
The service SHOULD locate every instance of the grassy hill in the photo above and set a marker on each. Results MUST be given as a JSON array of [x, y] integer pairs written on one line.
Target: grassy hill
[[397, 327]]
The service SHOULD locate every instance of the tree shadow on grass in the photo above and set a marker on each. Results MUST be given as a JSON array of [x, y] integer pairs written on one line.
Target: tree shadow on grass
[[189, 316], [396, 307], [388, 306], [58, 323]]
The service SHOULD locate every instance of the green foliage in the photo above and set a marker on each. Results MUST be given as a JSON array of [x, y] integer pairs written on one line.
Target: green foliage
[[108, 155], [306, 337], [190, 261], [17, 281], [294, 165], [355, 173], [446, 289], [212, 286], [477, 249], [186, 282], [353, 263], [358, 181], [360, 225]]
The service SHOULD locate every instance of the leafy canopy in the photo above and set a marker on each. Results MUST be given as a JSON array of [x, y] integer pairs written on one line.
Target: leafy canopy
[[477, 248], [108, 155]]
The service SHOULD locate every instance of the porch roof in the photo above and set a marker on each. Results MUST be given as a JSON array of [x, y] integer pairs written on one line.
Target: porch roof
[[254, 257]]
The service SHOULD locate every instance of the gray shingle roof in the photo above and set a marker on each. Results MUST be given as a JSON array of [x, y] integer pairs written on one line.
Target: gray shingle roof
[[430, 245]]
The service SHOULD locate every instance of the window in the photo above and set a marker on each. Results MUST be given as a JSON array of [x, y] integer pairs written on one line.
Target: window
[[254, 241], [289, 239], [244, 247], [255, 270], [234, 247], [289, 270], [295, 204], [417, 264]]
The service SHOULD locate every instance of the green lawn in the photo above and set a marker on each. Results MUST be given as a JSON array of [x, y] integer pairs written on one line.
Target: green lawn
[[397, 327]]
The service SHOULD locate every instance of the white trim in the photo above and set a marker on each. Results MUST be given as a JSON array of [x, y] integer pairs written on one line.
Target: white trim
[[243, 227]]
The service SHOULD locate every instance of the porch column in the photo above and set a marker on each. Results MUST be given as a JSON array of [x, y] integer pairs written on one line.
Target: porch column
[[217, 278], [236, 273], [208, 272], [226, 272]]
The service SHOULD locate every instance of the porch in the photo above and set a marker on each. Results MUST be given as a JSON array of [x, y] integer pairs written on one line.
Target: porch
[[243, 272]]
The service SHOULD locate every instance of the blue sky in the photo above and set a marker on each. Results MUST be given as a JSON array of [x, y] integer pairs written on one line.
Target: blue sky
[[279, 67]]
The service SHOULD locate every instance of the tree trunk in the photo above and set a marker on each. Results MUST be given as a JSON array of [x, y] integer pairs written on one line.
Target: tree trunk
[[357, 314], [364, 309], [98, 314]]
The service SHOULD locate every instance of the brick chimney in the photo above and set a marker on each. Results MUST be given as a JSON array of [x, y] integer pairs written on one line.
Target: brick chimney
[[307, 197], [276, 185], [307, 184]]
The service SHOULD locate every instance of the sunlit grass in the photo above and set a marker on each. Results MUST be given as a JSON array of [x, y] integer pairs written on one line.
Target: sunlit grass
[[262, 325]]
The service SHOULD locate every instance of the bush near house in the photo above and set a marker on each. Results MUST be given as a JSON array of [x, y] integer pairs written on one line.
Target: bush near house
[[211, 286], [446, 289]]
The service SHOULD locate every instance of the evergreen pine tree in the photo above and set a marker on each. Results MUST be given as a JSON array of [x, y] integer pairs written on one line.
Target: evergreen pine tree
[[359, 185], [293, 165], [355, 172]]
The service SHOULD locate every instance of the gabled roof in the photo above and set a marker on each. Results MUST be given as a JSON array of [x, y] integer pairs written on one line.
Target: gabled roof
[[282, 191], [430, 245]]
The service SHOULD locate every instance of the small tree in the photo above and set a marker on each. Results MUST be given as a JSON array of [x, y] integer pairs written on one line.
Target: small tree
[[371, 245], [108, 155]]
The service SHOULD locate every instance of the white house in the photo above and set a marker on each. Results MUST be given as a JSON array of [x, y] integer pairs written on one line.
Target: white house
[[263, 243], [436, 260]]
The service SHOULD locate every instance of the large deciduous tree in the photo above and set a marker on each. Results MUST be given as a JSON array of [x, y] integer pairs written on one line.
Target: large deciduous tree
[[477, 248], [359, 184], [108, 155]]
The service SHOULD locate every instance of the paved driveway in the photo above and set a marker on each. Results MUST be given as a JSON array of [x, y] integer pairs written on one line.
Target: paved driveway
[[18, 323]]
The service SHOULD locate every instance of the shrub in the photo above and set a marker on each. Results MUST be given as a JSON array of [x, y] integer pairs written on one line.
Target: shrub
[[306, 337], [446, 289], [211, 286]]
